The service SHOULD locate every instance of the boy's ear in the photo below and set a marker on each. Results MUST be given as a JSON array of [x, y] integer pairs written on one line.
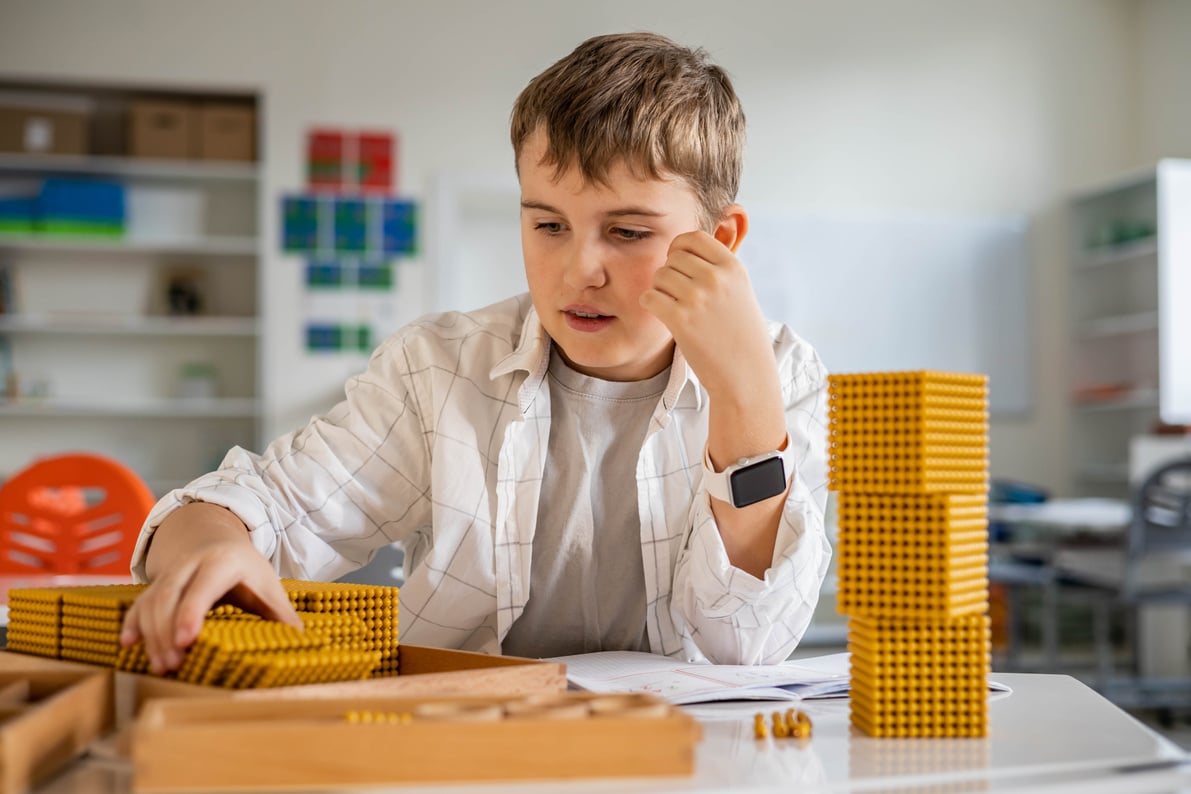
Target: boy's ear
[[732, 227]]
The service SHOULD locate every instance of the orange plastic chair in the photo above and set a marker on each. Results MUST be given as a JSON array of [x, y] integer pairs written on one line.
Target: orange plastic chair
[[77, 513]]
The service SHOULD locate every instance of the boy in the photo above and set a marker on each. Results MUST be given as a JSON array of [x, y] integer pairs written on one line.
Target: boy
[[565, 469]]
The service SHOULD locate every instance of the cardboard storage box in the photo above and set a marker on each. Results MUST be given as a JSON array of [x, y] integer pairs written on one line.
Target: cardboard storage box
[[45, 123], [226, 132], [158, 128], [51, 712], [204, 745]]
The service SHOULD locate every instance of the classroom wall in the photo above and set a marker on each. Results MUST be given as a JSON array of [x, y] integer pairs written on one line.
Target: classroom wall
[[1164, 87], [915, 104]]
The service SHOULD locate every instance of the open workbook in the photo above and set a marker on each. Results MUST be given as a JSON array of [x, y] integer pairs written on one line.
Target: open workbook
[[683, 683]]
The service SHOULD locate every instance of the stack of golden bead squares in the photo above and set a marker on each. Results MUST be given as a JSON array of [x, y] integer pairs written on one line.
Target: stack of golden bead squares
[[350, 634], [909, 458]]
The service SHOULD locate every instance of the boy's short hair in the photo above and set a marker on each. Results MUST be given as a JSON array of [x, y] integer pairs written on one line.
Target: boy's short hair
[[661, 108]]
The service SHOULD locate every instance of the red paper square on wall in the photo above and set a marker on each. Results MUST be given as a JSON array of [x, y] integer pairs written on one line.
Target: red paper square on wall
[[326, 159], [375, 162]]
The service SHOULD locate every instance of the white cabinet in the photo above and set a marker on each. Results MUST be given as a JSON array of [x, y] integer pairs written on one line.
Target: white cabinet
[[142, 347], [1131, 298]]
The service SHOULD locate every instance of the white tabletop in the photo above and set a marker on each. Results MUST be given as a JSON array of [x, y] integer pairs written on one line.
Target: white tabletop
[[1051, 734]]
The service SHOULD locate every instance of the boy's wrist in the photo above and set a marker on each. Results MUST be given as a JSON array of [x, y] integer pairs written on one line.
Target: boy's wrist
[[753, 393], [744, 429], [745, 379], [753, 479]]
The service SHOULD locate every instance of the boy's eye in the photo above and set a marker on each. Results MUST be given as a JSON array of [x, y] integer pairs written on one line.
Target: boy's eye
[[549, 227], [629, 234]]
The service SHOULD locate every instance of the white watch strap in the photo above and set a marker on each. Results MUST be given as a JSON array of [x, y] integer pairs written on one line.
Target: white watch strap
[[718, 481]]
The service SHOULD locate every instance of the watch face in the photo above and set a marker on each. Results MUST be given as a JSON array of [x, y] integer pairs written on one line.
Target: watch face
[[759, 481]]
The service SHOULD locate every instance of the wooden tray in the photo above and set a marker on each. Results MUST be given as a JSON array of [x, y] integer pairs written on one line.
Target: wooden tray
[[424, 671], [63, 711], [203, 744]]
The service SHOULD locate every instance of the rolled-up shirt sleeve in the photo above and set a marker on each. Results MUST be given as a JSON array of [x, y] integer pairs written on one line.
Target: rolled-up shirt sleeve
[[727, 615], [319, 502]]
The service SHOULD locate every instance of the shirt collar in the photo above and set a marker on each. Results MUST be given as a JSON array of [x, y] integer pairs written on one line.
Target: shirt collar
[[532, 356], [682, 377]]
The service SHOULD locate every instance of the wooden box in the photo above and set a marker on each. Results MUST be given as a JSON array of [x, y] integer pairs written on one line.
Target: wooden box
[[65, 708], [208, 745], [424, 671]]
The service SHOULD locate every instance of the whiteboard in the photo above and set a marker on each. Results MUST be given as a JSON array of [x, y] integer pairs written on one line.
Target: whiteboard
[[881, 292]]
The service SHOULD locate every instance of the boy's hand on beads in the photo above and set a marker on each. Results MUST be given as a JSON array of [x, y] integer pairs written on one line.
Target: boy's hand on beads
[[704, 296], [200, 562]]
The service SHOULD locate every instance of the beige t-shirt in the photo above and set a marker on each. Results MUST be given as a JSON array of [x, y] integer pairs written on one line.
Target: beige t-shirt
[[587, 581]]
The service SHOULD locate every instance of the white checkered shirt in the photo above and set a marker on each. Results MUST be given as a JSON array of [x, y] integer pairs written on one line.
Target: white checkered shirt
[[440, 445]]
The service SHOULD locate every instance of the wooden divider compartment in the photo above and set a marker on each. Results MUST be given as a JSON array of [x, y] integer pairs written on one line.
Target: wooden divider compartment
[[424, 671], [48, 718], [203, 744]]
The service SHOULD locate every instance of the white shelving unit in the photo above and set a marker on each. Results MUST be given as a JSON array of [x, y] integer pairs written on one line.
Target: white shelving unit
[[101, 361], [116, 325], [210, 245], [176, 408], [1131, 337], [108, 165]]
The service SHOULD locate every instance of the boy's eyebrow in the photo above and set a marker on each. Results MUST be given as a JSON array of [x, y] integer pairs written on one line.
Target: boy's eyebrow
[[528, 204], [648, 213]]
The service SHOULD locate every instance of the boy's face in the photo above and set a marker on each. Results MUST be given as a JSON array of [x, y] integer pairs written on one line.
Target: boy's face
[[590, 251]]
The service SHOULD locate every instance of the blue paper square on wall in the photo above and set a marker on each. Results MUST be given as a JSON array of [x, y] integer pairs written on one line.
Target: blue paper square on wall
[[399, 227], [299, 223], [323, 336], [324, 274]]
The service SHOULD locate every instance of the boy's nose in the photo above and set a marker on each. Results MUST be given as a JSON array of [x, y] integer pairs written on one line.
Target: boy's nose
[[585, 268]]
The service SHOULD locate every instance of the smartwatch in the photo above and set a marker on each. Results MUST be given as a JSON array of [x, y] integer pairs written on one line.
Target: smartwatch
[[750, 480]]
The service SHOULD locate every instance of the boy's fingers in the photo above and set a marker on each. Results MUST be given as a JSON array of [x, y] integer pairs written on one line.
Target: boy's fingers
[[702, 246], [280, 608], [691, 241], [158, 606], [269, 600], [660, 305], [656, 301], [671, 282], [130, 630], [209, 584], [687, 264]]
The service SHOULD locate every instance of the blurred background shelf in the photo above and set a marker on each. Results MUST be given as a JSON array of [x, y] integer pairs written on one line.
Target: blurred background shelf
[[132, 325], [175, 408], [1133, 323], [213, 245], [1130, 338], [1134, 400], [129, 276], [1120, 254], [135, 167]]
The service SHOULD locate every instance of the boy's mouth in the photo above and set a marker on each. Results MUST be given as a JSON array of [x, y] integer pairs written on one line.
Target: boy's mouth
[[586, 318], [585, 312]]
